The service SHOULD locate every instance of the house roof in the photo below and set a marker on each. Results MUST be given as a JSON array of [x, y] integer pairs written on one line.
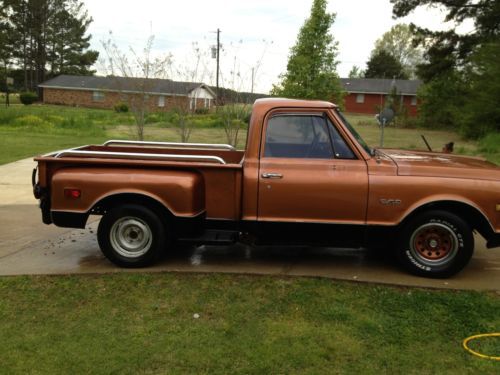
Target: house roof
[[124, 84], [380, 86], [232, 96]]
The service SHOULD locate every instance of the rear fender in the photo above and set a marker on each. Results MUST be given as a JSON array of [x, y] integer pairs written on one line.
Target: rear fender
[[181, 192]]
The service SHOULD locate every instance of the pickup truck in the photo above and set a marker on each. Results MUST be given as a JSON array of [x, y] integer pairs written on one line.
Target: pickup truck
[[305, 177]]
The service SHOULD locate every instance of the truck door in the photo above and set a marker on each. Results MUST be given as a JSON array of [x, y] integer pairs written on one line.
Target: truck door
[[309, 174]]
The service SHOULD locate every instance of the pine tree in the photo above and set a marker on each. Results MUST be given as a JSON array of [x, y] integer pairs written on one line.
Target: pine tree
[[461, 74], [449, 49], [6, 46], [311, 70], [51, 38]]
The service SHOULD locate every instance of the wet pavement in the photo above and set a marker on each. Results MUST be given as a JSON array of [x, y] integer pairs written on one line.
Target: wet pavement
[[27, 246]]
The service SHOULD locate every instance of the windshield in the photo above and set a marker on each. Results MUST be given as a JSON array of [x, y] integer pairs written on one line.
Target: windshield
[[354, 133]]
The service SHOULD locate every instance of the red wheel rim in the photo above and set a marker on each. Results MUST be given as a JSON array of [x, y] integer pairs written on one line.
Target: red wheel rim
[[433, 242]]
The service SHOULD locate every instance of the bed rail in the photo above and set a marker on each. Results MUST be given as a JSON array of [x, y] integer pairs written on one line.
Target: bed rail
[[138, 155], [205, 146]]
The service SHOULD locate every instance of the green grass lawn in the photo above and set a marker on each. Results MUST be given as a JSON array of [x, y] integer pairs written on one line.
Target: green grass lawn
[[136, 323], [26, 131]]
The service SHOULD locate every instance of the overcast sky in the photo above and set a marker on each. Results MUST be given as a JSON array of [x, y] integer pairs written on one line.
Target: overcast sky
[[255, 34]]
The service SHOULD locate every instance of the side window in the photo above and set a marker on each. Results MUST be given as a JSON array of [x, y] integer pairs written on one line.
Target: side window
[[340, 148], [297, 136]]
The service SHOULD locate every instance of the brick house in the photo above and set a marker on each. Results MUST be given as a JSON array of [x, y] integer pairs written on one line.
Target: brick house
[[106, 92], [368, 95]]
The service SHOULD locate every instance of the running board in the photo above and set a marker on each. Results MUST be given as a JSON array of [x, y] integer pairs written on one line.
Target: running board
[[213, 237]]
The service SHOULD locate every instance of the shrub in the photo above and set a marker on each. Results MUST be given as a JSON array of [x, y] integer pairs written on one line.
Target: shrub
[[490, 143], [28, 97], [153, 118], [207, 121], [121, 108], [201, 111]]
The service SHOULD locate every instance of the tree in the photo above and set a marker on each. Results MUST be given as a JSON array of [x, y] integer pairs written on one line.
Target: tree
[[140, 72], [481, 110], [461, 75], [233, 118], [442, 99], [183, 120], [398, 41], [448, 50], [384, 65], [50, 38], [6, 46], [68, 44], [356, 72], [311, 69], [394, 101]]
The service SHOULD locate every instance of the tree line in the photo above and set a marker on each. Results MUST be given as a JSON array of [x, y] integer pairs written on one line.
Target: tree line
[[43, 38], [460, 71]]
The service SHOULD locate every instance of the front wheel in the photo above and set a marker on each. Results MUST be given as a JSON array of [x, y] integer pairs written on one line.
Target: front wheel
[[132, 236], [435, 244]]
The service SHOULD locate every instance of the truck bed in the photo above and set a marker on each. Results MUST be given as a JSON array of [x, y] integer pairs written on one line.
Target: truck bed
[[137, 150], [219, 165]]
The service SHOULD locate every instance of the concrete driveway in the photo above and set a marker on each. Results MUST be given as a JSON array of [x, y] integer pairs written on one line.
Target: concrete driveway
[[27, 246]]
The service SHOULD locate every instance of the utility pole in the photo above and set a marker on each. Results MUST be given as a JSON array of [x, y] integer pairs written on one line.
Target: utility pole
[[217, 74]]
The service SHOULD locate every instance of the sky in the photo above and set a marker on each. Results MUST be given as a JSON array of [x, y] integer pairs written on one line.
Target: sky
[[256, 35]]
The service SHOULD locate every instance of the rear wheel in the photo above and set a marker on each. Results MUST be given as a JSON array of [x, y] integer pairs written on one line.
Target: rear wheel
[[132, 236], [435, 244]]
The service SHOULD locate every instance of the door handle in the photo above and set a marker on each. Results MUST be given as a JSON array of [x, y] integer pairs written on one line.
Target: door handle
[[272, 175]]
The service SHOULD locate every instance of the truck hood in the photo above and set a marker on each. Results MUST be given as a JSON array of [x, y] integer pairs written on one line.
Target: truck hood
[[434, 164]]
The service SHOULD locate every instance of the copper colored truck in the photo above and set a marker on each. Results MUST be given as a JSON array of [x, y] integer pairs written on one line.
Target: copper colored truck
[[305, 177]]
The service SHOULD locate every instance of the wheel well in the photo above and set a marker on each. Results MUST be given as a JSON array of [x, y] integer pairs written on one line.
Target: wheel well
[[472, 216], [106, 204], [182, 227]]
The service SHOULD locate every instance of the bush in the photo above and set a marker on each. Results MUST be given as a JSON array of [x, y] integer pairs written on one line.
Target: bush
[[28, 97], [490, 143], [201, 111], [121, 108], [153, 118]]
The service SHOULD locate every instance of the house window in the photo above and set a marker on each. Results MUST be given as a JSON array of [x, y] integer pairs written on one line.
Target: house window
[[360, 98], [413, 100], [192, 104], [207, 103], [97, 96], [161, 101]]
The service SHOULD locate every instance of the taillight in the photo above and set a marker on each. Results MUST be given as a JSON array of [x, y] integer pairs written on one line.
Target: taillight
[[72, 193]]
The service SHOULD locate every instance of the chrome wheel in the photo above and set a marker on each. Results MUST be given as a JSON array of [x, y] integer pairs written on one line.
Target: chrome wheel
[[434, 244], [131, 237]]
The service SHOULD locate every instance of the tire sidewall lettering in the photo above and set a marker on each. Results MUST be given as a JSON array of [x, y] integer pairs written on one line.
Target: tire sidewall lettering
[[415, 262]]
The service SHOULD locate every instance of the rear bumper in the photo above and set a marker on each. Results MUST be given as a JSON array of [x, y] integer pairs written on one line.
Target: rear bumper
[[69, 219], [493, 241], [61, 218], [45, 207]]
